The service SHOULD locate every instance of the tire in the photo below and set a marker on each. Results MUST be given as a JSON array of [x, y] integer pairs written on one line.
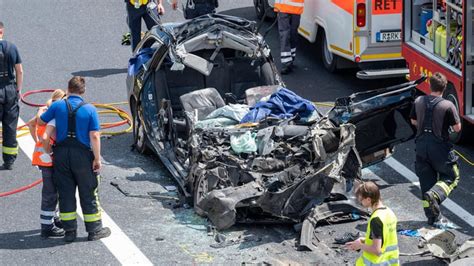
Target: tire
[[200, 189], [141, 142], [329, 59], [461, 136]]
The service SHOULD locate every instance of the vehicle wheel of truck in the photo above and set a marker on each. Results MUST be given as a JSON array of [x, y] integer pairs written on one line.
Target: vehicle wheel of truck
[[139, 134], [451, 95], [329, 59]]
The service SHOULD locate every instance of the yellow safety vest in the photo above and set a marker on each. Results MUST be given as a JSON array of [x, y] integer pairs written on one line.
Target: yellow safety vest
[[141, 2], [289, 6], [389, 256]]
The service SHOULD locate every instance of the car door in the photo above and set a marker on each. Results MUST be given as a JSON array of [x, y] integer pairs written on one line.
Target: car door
[[146, 79], [381, 118]]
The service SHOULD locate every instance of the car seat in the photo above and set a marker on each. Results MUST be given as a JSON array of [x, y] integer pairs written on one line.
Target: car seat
[[204, 101]]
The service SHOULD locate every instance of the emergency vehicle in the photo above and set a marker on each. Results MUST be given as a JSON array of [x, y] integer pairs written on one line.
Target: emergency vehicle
[[438, 37], [364, 32]]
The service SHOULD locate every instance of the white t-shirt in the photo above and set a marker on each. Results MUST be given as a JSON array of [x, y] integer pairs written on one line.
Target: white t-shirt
[[52, 123]]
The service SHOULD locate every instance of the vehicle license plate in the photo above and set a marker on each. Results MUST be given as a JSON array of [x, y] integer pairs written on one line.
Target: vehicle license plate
[[389, 36]]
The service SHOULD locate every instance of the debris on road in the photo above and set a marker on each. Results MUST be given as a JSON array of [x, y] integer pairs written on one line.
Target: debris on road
[[347, 237], [441, 244], [150, 195], [410, 233], [223, 242]]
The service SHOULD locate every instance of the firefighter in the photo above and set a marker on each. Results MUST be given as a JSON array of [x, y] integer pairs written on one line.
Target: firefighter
[[136, 10], [50, 225], [289, 15], [11, 81], [380, 244], [76, 160], [196, 8], [436, 164]]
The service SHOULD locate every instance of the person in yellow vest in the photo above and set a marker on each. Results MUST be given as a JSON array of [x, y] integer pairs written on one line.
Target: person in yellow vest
[[289, 15], [50, 226], [136, 11], [380, 245]]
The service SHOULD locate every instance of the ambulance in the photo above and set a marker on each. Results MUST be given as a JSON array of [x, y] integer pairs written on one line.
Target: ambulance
[[366, 33]]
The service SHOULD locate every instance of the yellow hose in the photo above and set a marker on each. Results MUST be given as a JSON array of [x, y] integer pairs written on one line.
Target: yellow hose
[[464, 158], [113, 110]]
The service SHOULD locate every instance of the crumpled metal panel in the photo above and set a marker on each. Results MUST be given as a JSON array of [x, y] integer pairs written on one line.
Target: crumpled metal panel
[[220, 204], [295, 169]]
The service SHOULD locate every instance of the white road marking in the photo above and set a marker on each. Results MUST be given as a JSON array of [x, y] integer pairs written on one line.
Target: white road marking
[[124, 250], [448, 203]]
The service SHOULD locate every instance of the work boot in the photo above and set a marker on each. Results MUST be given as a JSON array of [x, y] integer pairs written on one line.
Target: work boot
[[434, 207], [58, 223], [53, 232], [285, 69], [102, 233], [7, 166], [70, 236]]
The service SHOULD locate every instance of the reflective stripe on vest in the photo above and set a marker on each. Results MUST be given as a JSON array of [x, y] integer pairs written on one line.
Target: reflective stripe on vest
[[40, 157], [386, 263], [289, 6], [140, 2], [390, 251]]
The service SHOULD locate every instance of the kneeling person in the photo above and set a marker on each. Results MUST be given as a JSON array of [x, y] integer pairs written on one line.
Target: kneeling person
[[380, 245]]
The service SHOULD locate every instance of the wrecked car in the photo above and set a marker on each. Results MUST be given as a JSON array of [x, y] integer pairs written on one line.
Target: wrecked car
[[208, 100]]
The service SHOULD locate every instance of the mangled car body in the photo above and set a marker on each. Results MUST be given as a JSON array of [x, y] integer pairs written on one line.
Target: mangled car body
[[189, 101]]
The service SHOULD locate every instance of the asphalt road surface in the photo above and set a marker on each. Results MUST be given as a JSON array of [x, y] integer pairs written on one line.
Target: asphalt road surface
[[58, 39]]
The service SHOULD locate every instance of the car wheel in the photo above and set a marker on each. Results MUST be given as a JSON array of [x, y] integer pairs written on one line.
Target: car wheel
[[329, 59], [139, 135], [451, 95]]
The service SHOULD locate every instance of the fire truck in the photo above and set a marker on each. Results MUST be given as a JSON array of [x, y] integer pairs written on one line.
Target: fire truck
[[348, 33], [438, 37]]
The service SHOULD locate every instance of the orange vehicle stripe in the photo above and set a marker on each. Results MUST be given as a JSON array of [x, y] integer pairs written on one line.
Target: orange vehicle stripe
[[346, 5]]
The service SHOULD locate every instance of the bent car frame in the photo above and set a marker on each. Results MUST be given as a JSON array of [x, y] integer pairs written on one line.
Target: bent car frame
[[188, 84]]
